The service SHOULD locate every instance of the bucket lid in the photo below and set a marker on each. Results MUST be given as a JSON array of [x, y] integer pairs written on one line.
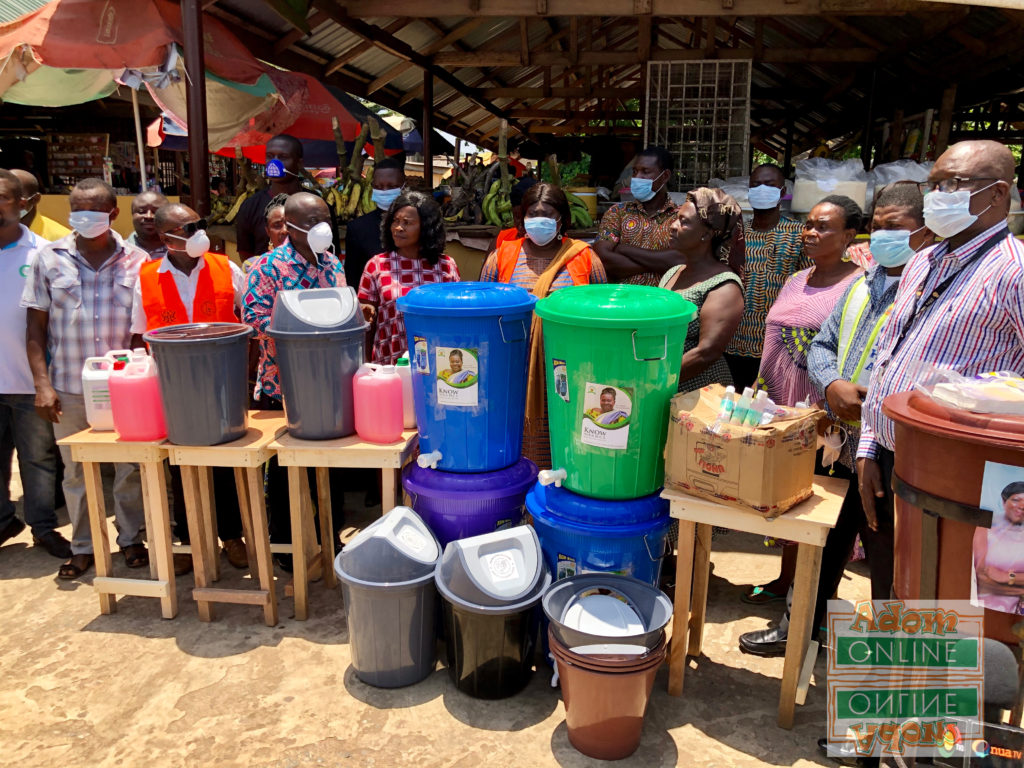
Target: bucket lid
[[493, 569], [469, 299], [570, 506], [395, 548], [511, 481], [955, 423], [190, 332], [617, 306], [316, 310], [604, 615]]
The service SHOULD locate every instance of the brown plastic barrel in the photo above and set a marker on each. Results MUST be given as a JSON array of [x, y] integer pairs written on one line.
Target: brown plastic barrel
[[605, 698], [943, 451]]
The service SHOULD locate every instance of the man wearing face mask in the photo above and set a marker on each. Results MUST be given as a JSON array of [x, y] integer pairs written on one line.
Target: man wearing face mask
[[191, 285], [362, 236], [839, 364], [44, 226], [633, 239], [305, 260], [78, 298], [960, 304], [284, 176], [774, 251], [144, 208]]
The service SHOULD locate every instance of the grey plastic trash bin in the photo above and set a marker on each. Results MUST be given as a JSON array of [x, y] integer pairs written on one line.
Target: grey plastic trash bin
[[203, 373], [387, 580], [491, 585], [319, 337]]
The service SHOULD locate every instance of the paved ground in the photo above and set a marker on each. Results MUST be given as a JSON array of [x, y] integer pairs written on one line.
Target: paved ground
[[131, 689]]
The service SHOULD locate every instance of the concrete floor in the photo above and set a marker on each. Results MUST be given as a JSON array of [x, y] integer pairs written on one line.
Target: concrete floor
[[131, 689]]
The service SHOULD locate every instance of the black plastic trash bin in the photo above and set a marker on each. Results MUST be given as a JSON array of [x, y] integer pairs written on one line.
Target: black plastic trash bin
[[203, 372], [318, 337], [386, 574], [492, 585]]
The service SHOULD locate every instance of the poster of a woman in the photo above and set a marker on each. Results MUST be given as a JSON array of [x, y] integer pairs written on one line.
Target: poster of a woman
[[999, 550]]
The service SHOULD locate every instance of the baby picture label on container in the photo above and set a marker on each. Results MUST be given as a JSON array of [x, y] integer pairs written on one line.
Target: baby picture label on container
[[458, 376], [561, 378], [606, 412], [420, 361]]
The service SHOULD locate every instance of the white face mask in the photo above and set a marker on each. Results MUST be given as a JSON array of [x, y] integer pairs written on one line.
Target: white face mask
[[947, 214], [764, 197], [89, 224], [319, 237], [196, 245]]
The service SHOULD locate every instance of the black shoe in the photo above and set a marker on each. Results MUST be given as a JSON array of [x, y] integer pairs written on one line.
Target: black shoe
[[846, 759], [284, 562], [54, 543], [765, 642], [11, 530]]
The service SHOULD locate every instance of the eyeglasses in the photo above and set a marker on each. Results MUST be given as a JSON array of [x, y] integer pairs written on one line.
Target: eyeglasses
[[951, 184]]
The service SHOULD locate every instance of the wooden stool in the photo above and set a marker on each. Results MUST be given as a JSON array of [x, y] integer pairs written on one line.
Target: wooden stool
[[344, 452], [247, 455], [808, 524], [91, 448]]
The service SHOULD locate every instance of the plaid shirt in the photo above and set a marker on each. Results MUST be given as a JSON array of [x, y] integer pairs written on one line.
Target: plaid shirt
[[975, 326], [90, 311], [282, 269], [388, 276]]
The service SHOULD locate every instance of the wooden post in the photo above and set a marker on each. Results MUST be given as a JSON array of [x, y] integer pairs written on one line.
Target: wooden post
[[945, 119], [427, 128], [195, 66], [787, 160], [869, 119]]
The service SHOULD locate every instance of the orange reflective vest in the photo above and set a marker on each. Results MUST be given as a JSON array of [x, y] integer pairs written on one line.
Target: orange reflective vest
[[508, 254], [214, 301]]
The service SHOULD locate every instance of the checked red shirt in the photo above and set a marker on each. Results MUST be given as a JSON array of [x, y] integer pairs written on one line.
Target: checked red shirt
[[388, 276]]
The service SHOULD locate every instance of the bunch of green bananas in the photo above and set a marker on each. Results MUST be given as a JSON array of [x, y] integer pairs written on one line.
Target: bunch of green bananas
[[581, 218], [355, 199], [497, 206]]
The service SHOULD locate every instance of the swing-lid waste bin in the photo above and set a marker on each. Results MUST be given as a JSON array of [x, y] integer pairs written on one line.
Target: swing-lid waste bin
[[612, 355]]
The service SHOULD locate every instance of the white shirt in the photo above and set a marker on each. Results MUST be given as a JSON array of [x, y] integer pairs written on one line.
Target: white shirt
[[15, 264], [186, 285]]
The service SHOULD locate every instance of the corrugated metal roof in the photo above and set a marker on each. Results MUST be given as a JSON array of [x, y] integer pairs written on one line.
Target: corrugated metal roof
[[10, 10]]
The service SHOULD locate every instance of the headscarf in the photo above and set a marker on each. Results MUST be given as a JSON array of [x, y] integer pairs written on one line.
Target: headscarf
[[720, 213]]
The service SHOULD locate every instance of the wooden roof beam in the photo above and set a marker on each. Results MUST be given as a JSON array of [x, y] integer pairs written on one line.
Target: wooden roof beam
[[615, 57]]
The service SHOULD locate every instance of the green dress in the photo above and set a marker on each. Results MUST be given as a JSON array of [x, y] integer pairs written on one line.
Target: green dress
[[718, 371]]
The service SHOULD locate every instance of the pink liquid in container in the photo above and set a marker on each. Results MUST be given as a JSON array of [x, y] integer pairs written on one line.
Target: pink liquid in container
[[135, 401], [377, 400]]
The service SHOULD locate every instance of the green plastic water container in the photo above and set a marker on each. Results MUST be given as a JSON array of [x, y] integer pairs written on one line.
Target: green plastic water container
[[612, 355]]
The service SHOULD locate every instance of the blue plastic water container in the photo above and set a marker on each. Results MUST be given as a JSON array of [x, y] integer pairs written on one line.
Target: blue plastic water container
[[469, 350], [583, 535]]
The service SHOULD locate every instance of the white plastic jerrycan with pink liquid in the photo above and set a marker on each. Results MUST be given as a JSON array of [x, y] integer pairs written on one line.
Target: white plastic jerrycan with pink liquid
[[135, 401], [377, 401]]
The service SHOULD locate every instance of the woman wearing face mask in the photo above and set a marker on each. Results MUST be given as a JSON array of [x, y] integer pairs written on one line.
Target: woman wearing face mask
[[701, 233], [542, 260], [412, 233]]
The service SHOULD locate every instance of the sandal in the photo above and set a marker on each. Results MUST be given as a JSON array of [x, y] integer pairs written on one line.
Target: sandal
[[135, 556], [75, 567], [760, 596]]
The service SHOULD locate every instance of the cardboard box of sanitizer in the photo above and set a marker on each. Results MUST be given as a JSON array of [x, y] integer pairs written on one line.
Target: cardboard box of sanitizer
[[766, 469]]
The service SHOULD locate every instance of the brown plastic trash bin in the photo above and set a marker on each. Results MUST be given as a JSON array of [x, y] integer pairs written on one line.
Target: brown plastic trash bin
[[940, 463]]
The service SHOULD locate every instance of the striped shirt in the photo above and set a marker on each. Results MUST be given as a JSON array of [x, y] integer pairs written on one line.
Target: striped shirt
[[975, 326], [90, 310]]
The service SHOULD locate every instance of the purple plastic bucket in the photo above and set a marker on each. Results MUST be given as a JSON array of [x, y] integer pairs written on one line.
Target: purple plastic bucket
[[457, 505]]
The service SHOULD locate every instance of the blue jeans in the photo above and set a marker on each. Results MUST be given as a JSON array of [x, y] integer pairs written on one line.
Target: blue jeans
[[32, 436]]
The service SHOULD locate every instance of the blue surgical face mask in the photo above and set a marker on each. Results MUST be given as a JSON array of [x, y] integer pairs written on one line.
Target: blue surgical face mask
[[541, 229], [385, 197], [764, 197], [891, 247], [643, 189]]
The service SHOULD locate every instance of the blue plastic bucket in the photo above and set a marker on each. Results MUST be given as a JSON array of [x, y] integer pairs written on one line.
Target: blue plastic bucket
[[582, 535], [469, 346]]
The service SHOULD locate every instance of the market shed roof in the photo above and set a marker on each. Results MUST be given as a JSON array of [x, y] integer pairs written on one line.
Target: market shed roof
[[556, 67]]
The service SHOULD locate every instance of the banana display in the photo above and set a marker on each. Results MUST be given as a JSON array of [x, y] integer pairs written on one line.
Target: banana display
[[581, 218], [352, 200]]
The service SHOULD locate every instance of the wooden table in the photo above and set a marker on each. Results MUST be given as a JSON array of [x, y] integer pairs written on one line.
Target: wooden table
[[91, 448], [247, 455], [343, 452], [807, 524]]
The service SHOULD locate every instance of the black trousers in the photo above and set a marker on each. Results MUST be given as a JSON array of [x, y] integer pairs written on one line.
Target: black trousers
[[278, 507], [225, 503], [878, 545], [744, 370]]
